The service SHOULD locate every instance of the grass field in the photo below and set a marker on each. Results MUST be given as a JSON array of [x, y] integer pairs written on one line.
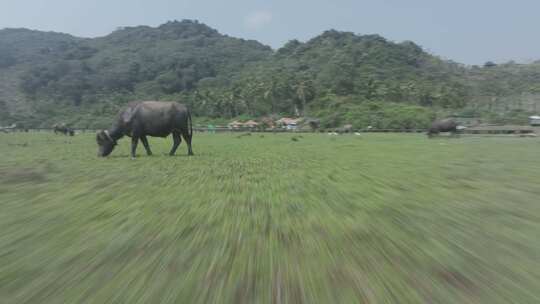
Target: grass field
[[343, 219]]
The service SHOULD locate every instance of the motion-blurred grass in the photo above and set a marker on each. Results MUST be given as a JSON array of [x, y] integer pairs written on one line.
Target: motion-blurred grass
[[265, 219]]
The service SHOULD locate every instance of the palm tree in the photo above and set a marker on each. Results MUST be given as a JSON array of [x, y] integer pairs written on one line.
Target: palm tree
[[229, 103], [270, 92], [300, 95], [303, 91], [247, 96]]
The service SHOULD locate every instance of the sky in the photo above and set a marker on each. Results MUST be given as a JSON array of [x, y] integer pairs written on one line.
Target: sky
[[465, 31]]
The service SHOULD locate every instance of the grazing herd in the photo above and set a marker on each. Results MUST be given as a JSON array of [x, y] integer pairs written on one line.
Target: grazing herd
[[160, 119]]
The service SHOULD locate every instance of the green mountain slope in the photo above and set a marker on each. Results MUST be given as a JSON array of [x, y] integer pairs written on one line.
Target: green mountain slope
[[20, 50], [339, 77]]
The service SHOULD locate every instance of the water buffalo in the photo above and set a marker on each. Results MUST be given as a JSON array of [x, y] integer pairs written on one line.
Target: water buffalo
[[152, 118], [313, 124], [63, 129], [444, 125], [348, 128], [9, 128]]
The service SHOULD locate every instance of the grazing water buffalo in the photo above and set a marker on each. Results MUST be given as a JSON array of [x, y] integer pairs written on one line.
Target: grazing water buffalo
[[62, 128], [152, 118], [444, 125], [8, 129]]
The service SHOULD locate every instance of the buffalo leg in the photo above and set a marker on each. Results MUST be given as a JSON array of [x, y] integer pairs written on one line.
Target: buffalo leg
[[146, 145], [176, 142], [187, 138], [134, 142]]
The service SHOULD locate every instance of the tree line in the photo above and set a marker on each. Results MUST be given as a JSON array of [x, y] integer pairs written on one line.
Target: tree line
[[339, 77]]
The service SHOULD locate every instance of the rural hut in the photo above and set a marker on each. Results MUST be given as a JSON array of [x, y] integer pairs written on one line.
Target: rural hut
[[251, 124], [235, 125], [534, 120], [288, 123]]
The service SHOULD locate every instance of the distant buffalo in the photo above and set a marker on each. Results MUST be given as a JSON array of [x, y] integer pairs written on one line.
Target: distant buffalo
[[9, 128], [63, 129], [314, 124], [152, 118], [444, 125], [347, 128]]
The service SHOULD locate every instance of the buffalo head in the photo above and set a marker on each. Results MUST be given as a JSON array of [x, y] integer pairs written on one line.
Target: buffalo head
[[105, 143]]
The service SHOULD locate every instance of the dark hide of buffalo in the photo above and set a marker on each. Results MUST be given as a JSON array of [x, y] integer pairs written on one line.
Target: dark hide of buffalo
[[63, 129], [148, 118], [445, 125]]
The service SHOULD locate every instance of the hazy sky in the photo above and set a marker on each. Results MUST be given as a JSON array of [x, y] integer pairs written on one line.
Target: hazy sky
[[466, 31]]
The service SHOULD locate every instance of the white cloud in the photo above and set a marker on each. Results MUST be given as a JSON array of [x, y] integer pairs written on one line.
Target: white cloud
[[257, 20]]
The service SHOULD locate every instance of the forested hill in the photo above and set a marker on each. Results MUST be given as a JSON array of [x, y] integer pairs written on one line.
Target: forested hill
[[339, 77]]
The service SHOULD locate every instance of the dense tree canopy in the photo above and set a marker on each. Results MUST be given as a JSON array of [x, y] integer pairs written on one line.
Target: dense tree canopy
[[339, 77]]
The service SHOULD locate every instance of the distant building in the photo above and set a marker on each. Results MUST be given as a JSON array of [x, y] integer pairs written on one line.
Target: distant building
[[292, 126], [235, 125], [288, 123], [534, 120], [251, 124]]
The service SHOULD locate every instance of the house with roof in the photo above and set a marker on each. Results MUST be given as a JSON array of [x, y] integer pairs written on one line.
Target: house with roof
[[235, 125], [251, 124], [534, 120], [289, 123]]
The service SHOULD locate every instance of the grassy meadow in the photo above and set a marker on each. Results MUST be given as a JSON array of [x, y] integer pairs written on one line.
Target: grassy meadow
[[377, 218]]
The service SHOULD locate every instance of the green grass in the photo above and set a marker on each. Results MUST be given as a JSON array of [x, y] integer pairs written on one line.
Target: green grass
[[371, 219]]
